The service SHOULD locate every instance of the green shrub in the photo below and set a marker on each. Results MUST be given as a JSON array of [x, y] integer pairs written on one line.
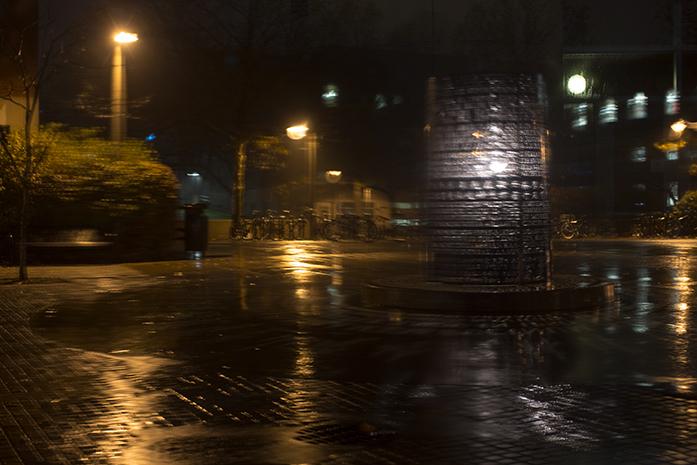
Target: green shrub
[[116, 187], [683, 217]]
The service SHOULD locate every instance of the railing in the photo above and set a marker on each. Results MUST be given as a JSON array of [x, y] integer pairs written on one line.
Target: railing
[[308, 226]]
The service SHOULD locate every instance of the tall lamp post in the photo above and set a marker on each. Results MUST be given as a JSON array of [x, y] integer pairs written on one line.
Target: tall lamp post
[[118, 85], [302, 131]]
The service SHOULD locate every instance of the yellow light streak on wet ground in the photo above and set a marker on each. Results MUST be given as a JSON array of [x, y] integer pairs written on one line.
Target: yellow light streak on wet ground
[[267, 356]]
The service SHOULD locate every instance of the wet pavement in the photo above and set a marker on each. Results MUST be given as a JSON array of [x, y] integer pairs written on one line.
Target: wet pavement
[[263, 354]]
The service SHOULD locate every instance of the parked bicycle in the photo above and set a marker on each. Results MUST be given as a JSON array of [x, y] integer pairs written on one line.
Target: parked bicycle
[[569, 227], [308, 226], [351, 227]]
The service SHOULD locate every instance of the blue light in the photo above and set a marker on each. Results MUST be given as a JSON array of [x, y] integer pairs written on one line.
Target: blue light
[[151, 137]]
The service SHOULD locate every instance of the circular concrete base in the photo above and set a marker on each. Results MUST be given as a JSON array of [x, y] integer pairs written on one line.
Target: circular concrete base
[[415, 293]]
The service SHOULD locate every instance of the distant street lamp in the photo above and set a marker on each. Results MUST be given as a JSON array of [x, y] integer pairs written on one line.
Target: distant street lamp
[[577, 84], [332, 176], [118, 86], [299, 132], [679, 126]]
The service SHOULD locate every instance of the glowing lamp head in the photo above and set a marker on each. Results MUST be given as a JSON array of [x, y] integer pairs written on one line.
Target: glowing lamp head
[[679, 126], [297, 132], [332, 176], [124, 37], [498, 166], [576, 85]]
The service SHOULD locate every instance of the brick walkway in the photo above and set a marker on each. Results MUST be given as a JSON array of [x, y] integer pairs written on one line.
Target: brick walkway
[[202, 363]]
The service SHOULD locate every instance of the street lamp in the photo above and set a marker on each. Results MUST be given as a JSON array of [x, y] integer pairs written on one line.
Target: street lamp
[[577, 84], [679, 126], [118, 85], [299, 132]]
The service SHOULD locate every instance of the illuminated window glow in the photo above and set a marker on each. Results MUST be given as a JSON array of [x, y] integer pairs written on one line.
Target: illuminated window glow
[[380, 102], [330, 96], [672, 155], [672, 102], [636, 106], [580, 116], [608, 112], [638, 154]]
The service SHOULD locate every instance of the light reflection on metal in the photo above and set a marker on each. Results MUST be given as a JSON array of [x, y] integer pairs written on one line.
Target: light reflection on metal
[[498, 166], [487, 204]]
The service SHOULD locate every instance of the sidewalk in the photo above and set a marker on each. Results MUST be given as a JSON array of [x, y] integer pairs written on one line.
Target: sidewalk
[[265, 356]]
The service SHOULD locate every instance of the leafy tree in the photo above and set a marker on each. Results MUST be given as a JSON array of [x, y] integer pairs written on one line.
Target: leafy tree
[[84, 181], [682, 219], [117, 187]]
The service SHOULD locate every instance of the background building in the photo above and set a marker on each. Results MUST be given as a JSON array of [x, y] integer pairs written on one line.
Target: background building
[[636, 65], [17, 18]]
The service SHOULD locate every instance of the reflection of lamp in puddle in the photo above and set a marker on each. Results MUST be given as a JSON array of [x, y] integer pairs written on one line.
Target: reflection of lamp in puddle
[[304, 359], [682, 309], [297, 259]]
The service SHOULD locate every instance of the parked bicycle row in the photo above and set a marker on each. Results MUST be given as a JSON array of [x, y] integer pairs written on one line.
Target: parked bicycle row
[[309, 226]]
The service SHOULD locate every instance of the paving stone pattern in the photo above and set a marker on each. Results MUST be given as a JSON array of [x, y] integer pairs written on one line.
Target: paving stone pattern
[[298, 383]]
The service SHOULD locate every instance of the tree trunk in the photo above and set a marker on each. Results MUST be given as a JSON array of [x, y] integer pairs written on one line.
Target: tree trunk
[[23, 275], [26, 183]]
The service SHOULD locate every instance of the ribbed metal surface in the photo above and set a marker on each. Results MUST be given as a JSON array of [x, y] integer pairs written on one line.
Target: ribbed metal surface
[[487, 199]]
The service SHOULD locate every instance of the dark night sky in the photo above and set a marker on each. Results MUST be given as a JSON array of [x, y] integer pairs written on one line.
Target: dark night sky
[[620, 22]]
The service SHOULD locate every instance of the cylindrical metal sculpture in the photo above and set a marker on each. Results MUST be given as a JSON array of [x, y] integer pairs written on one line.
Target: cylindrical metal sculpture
[[487, 193]]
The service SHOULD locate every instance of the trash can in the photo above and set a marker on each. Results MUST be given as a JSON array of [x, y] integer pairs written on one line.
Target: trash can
[[195, 229]]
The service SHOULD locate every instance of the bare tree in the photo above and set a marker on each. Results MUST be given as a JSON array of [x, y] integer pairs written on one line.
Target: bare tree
[[29, 49]]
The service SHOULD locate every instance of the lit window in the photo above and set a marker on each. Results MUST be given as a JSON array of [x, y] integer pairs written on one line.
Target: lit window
[[639, 154], [380, 102], [672, 155], [580, 116], [636, 106], [639, 187], [608, 112], [330, 96], [672, 196], [397, 100], [672, 102]]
